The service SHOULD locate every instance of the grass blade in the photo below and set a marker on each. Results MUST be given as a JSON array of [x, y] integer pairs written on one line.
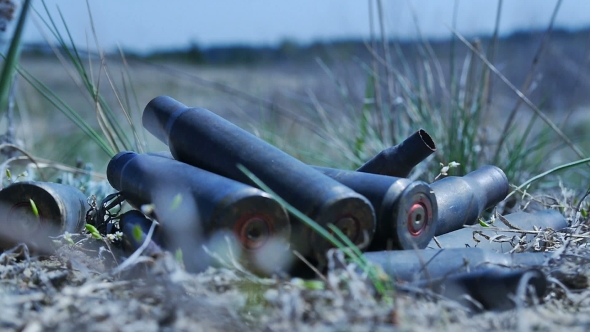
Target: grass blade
[[553, 170], [66, 110], [353, 254], [11, 60]]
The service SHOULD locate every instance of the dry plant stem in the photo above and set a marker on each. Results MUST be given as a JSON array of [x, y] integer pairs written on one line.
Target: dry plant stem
[[523, 285], [89, 288], [313, 268], [527, 101], [138, 146], [126, 66], [338, 83], [90, 90], [106, 242], [557, 254], [234, 263], [422, 262], [578, 222], [125, 111], [524, 231], [45, 163], [27, 155], [506, 222], [112, 85], [328, 127], [382, 61], [532, 198], [452, 75], [492, 55], [107, 126], [100, 115], [388, 72], [464, 84], [388, 66], [577, 83], [437, 243], [373, 50], [561, 285], [431, 54], [528, 81], [85, 249]]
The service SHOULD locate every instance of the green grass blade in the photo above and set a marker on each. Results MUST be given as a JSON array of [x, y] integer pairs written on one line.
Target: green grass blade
[[553, 170], [110, 126], [353, 254], [66, 110], [11, 60]]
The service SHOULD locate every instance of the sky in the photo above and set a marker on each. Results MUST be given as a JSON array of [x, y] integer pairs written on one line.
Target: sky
[[147, 25]]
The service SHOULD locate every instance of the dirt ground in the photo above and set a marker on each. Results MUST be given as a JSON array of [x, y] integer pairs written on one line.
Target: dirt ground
[[76, 289]]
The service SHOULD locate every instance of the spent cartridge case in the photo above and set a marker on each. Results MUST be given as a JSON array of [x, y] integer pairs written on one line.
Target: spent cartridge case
[[461, 200], [201, 138], [424, 264], [406, 210], [399, 160], [192, 204], [32, 211]]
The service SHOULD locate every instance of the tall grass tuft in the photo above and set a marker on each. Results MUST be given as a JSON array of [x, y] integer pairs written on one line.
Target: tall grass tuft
[[404, 94], [115, 137]]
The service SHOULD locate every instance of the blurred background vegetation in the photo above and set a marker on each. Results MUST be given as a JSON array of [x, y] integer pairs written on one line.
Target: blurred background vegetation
[[333, 103]]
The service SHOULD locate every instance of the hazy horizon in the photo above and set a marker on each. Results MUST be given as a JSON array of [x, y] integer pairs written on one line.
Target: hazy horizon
[[144, 26]]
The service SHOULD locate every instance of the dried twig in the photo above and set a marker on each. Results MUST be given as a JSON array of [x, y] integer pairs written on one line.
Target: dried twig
[[28, 156], [505, 221], [311, 266]]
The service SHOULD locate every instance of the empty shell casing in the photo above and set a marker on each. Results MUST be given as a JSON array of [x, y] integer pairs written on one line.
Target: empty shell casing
[[30, 212], [424, 264], [192, 204], [406, 210], [201, 138], [461, 200], [399, 160]]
